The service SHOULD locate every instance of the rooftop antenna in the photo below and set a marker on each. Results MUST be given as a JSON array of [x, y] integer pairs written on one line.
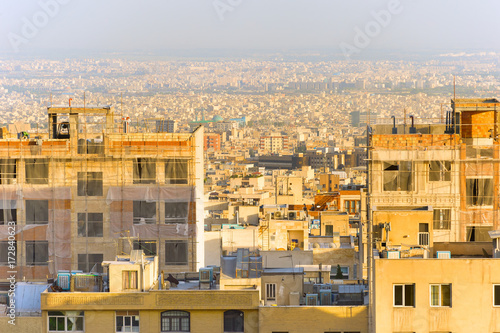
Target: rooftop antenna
[[454, 107]]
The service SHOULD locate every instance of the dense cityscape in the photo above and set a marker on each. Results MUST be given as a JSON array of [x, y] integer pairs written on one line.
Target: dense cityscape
[[249, 167]]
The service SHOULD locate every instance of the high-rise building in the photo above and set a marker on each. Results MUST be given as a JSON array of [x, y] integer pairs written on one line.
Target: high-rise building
[[212, 140], [168, 126], [274, 143], [452, 168], [83, 193]]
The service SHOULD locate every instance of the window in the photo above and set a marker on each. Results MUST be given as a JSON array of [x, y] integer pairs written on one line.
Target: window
[[144, 212], [176, 252], [423, 234], [8, 249], [234, 321], [440, 295], [127, 321], [90, 184], [8, 212], [37, 171], [439, 171], [90, 262], [176, 212], [95, 146], [129, 280], [478, 234], [7, 171], [270, 291], [442, 219], [37, 211], [66, 321], [175, 321], [37, 253], [398, 176], [147, 246], [335, 273], [144, 171], [496, 295], [90, 224], [404, 295], [329, 230], [176, 171], [479, 191], [352, 206]]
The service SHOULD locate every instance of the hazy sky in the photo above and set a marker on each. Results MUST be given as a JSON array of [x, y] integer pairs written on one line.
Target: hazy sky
[[148, 25]]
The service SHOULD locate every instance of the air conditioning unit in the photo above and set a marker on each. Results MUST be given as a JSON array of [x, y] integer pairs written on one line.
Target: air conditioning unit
[[292, 215], [277, 215], [312, 299], [443, 254], [63, 280], [325, 297], [206, 275], [393, 255], [318, 287]]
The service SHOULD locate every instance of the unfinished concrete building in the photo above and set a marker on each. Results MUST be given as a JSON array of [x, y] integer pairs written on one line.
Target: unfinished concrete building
[[451, 169], [90, 189]]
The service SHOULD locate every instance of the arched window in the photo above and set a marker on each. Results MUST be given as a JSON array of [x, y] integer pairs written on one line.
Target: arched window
[[234, 321], [175, 321]]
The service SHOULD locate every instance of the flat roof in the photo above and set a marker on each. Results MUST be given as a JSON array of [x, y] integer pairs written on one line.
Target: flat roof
[[297, 270]]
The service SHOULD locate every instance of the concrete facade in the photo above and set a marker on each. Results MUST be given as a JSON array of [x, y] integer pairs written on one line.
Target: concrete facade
[[81, 195], [471, 306]]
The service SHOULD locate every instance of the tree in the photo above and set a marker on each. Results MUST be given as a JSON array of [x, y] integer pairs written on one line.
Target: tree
[[339, 274]]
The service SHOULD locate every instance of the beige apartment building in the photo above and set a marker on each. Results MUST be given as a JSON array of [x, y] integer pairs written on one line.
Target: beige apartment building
[[437, 295], [93, 188]]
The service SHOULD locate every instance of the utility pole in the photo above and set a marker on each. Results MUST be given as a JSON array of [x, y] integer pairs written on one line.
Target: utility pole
[[371, 282]]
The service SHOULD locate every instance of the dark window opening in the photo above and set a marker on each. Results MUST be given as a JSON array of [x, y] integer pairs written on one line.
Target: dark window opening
[[37, 253], [7, 171], [175, 321], [439, 171], [90, 262], [478, 234], [8, 249], [144, 171], [176, 171], [176, 212], [8, 213], [37, 171], [37, 211], [144, 212], [234, 321], [398, 176], [176, 252], [442, 219], [90, 224], [479, 191], [147, 246], [90, 184]]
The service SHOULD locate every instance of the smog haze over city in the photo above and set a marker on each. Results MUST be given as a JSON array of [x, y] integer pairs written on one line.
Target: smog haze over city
[[249, 166]]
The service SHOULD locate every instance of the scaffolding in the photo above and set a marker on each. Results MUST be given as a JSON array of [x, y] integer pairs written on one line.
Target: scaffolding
[[453, 168], [74, 192]]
